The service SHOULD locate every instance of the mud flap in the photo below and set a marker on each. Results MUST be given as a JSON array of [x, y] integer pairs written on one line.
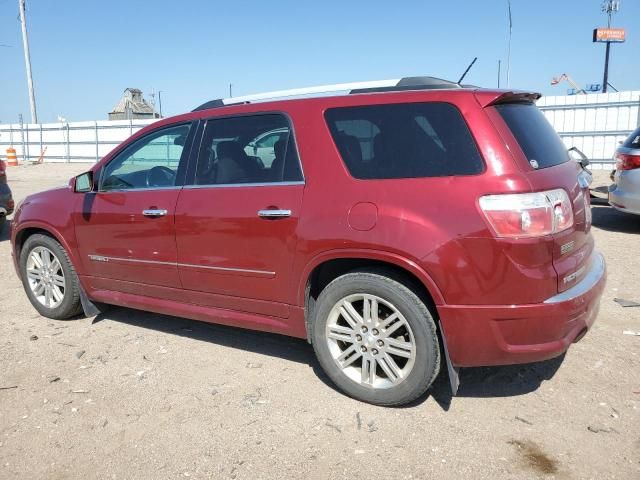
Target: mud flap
[[454, 377], [90, 309]]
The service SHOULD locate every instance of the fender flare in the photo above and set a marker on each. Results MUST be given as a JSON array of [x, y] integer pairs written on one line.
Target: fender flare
[[352, 253], [54, 232]]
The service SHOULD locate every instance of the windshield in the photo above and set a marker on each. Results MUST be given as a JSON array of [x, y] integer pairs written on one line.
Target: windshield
[[538, 140]]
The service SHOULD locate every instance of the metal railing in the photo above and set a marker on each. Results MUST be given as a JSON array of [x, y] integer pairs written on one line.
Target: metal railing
[[595, 124], [66, 142]]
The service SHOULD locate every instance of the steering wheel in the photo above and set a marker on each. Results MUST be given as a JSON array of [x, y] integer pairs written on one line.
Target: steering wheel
[[160, 176]]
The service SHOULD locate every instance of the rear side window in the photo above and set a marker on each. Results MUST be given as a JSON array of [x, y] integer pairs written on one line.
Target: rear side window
[[248, 149], [538, 140], [407, 140], [633, 141]]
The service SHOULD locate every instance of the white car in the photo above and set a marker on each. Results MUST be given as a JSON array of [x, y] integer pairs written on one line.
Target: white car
[[263, 146], [624, 194]]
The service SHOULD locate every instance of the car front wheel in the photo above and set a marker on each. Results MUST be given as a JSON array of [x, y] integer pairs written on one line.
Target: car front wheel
[[376, 339], [48, 278]]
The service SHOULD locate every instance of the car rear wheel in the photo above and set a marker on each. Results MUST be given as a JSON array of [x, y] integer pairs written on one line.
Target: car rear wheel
[[49, 278], [376, 339]]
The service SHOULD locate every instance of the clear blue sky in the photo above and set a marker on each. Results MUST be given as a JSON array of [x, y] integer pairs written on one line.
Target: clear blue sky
[[85, 52]]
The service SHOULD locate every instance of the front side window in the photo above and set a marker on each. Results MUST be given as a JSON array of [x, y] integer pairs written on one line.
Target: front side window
[[248, 149], [151, 162], [406, 140]]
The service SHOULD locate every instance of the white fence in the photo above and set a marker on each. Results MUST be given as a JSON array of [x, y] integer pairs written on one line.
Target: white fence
[[67, 142], [594, 123]]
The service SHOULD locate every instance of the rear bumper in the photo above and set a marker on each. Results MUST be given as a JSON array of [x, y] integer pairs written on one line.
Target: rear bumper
[[624, 194], [6, 200], [509, 334]]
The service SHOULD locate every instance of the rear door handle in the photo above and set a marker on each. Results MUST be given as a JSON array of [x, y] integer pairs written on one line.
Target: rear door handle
[[274, 213], [154, 213]]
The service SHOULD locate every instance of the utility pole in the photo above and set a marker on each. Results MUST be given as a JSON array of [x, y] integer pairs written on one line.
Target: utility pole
[[27, 61], [609, 7], [160, 101], [509, 45]]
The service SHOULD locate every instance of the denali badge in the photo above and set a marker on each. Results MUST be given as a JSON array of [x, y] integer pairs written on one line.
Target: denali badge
[[98, 258], [567, 247]]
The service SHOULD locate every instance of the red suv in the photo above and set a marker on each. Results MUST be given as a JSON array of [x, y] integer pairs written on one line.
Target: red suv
[[398, 226]]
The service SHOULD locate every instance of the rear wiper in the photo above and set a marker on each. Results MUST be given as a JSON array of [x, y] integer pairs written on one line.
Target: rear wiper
[[583, 161]]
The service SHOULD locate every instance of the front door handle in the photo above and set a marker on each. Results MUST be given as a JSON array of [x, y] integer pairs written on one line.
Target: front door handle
[[154, 212], [274, 213]]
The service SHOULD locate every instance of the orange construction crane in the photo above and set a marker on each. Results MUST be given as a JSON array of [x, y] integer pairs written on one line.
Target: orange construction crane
[[569, 80]]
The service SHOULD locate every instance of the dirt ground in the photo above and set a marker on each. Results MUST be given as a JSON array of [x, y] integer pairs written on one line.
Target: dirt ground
[[130, 394]]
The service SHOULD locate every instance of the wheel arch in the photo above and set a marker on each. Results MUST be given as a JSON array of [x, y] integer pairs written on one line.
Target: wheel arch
[[28, 229], [327, 266], [363, 259]]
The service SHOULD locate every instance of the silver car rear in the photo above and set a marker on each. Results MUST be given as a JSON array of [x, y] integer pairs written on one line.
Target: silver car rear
[[624, 194]]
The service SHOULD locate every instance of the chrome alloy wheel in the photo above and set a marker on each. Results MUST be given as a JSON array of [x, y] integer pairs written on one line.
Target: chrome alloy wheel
[[46, 277], [370, 341]]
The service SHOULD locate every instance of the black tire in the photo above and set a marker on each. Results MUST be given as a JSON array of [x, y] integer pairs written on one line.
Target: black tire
[[426, 364], [3, 220], [70, 305]]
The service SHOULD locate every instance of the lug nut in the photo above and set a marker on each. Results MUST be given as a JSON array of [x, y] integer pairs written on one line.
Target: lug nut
[[375, 331], [359, 337], [364, 330], [374, 351], [363, 348], [380, 343]]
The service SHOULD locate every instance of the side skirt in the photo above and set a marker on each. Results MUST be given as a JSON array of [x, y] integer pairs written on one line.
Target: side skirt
[[293, 326]]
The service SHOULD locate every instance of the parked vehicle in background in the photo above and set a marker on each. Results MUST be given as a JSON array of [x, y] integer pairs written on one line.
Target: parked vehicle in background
[[400, 226], [6, 199], [624, 194], [264, 145]]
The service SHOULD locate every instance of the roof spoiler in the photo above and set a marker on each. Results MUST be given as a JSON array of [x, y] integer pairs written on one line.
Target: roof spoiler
[[487, 98]]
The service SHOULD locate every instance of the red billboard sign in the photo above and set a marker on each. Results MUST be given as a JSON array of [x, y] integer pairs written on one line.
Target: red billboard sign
[[608, 34]]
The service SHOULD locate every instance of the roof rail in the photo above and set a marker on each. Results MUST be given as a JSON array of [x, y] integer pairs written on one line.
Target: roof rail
[[398, 84]]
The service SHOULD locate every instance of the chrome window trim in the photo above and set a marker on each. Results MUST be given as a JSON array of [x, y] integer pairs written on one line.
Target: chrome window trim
[[257, 184], [150, 189]]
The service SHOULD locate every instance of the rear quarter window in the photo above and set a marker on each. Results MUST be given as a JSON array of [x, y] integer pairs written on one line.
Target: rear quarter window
[[633, 141], [538, 140], [407, 140]]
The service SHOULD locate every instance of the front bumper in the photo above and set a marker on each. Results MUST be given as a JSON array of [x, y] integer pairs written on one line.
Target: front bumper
[[509, 334]]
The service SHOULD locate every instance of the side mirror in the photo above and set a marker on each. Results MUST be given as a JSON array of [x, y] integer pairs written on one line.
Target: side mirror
[[84, 183]]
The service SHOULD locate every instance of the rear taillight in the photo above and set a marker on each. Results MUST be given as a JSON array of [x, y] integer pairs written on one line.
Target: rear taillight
[[627, 162], [521, 215], [3, 168]]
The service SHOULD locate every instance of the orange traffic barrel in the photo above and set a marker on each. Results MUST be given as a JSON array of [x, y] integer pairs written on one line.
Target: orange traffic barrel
[[12, 159]]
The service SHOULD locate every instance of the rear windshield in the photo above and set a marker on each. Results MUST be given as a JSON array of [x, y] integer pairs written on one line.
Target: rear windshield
[[538, 140], [633, 141], [407, 140]]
